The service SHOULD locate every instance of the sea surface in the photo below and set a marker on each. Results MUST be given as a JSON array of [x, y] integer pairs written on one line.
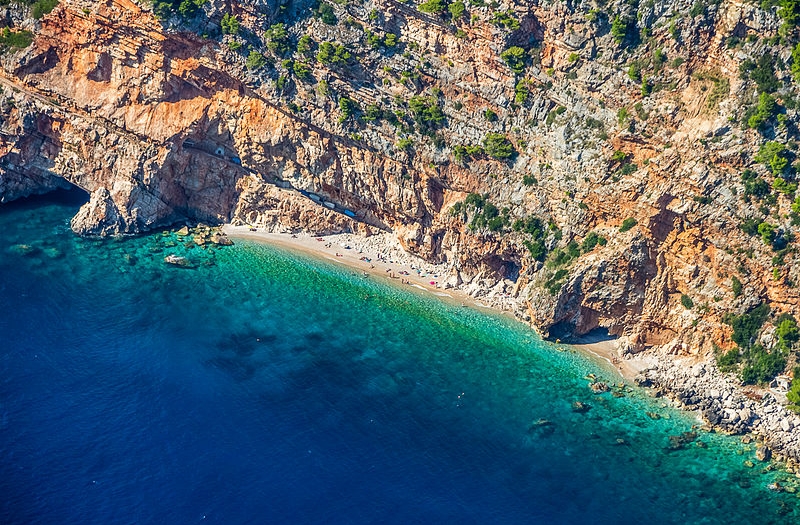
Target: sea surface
[[263, 386]]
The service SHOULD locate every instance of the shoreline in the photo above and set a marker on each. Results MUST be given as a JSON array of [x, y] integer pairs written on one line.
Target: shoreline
[[691, 385], [381, 256]]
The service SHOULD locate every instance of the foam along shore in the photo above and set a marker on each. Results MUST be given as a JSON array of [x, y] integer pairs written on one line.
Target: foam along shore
[[382, 255]]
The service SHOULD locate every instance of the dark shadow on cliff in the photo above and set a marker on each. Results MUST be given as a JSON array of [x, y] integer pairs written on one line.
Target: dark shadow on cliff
[[598, 335], [73, 197]]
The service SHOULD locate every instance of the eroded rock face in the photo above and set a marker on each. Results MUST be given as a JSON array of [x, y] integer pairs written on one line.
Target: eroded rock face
[[161, 126]]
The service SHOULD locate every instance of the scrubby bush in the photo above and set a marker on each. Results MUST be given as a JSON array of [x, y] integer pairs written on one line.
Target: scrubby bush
[[627, 224], [761, 366], [746, 326], [229, 24], [506, 19], [793, 395], [787, 331], [333, 53], [774, 156], [754, 185], [592, 240], [186, 9], [255, 60], [687, 302], [277, 39], [15, 39], [497, 146], [427, 111], [456, 9], [514, 57], [43, 7], [766, 109], [326, 14], [736, 286], [434, 7]]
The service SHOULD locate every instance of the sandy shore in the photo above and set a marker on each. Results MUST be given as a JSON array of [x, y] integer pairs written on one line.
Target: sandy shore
[[376, 255], [382, 256]]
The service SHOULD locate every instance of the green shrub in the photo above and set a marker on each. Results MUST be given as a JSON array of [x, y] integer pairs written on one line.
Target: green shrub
[[434, 7], [793, 395], [326, 14], [521, 92], [348, 108], [332, 53], [619, 156], [754, 185], [761, 366], [787, 188], [305, 44], [497, 146], [506, 19], [736, 286], [697, 9], [426, 111], [43, 7], [787, 331], [277, 39], [621, 28], [592, 240], [554, 284], [746, 326], [762, 72], [514, 57], [687, 302], [456, 9], [627, 224], [404, 144], [727, 361], [774, 156], [186, 9], [767, 233], [766, 109], [229, 24], [255, 60], [301, 70], [15, 39], [796, 62]]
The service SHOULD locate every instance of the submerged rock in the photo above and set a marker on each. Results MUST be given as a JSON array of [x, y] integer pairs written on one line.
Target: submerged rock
[[581, 407], [599, 387], [177, 260], [221, 239], [23, 249]]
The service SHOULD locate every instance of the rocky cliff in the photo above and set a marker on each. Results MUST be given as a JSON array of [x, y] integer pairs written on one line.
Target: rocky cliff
[[621, 165]]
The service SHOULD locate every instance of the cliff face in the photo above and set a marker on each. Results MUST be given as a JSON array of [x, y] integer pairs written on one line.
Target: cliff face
[[610, 114]]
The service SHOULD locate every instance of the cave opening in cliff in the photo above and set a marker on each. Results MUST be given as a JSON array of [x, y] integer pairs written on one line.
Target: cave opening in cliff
[[72, 197]]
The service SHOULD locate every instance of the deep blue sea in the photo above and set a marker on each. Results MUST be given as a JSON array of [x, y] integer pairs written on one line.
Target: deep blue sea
[[266, 387]]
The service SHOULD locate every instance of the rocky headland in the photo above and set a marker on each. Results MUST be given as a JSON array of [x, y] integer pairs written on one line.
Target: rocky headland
[[620, 166]]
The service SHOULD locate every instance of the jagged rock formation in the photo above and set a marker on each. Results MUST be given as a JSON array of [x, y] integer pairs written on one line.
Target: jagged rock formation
[[624, 123]]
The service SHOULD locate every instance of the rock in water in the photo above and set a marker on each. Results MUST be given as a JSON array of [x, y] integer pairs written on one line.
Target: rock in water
[[763, 453], [599, 387], [177, 260], [580, 407]]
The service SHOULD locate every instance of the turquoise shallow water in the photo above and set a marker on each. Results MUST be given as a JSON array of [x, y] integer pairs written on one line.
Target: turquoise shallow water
[[265, 387]]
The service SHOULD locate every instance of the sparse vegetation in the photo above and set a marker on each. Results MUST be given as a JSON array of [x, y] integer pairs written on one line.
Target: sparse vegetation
[[627, 224], [514, 57], [497, 146], [15, 39]]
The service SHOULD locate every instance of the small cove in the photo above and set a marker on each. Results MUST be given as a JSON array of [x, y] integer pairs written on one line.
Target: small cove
[[266, 386]]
